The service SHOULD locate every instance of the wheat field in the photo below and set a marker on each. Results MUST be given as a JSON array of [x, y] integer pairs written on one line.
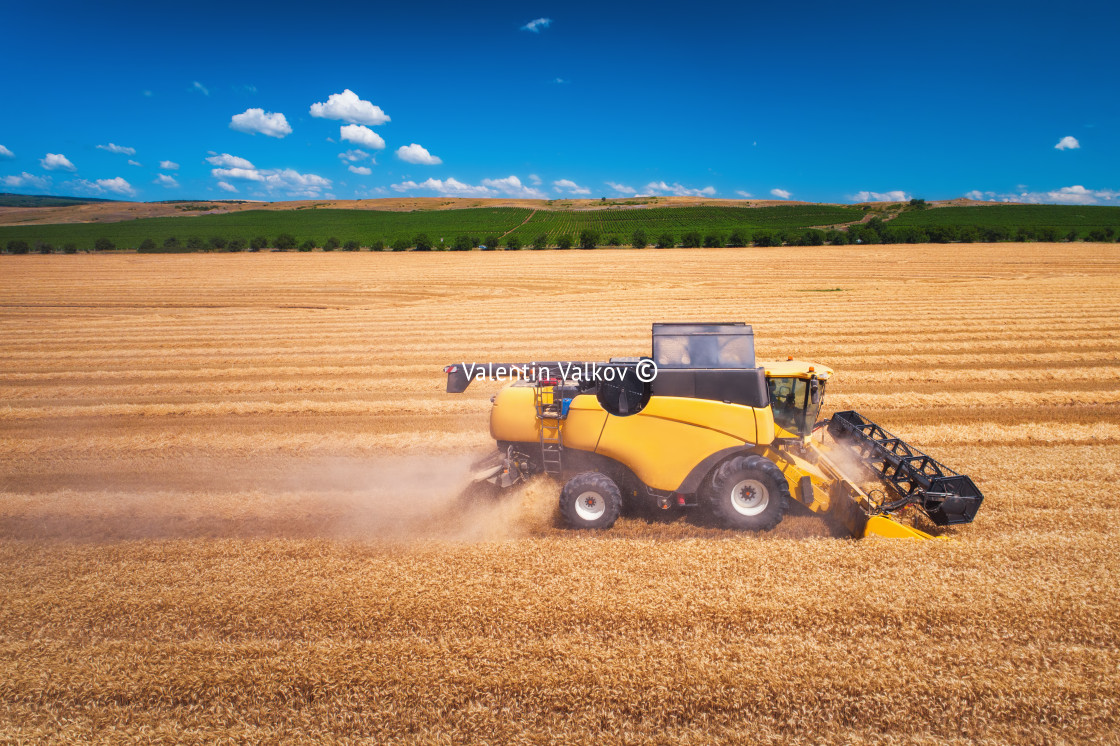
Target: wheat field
[[228, 505]]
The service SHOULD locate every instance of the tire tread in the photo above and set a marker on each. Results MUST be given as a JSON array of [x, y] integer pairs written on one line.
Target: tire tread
[[733, 468], [582, 482]]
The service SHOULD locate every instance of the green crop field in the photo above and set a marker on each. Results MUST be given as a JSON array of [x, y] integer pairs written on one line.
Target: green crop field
[[943, 224], [366, 226], [1063, 217], [679, 220], [317, 225]]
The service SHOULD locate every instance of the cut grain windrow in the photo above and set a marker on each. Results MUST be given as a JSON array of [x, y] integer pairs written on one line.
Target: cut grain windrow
[[357, 331]]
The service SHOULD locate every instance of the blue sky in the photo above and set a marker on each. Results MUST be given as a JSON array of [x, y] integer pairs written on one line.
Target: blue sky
[[825, 101]]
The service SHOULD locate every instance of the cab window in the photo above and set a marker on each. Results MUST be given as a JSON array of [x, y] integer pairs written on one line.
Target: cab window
[[787, 398], [796, 403]]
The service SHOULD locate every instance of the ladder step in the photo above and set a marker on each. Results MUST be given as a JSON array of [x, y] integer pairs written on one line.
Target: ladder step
[[549, 414]]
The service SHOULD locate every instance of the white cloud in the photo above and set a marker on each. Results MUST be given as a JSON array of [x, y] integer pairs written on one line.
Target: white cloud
[[676, 189], [511, 186], [228, 161], [1069, 142], [28, 180], [226, 186], [57, 162], [1076, 195], [450, 187], [273, 124], [569, 186], [5, 153], [134, 163], [248, 174], [349, 108], [560, 81], [284, 180], [1071, 195], [537, 24], [896, 195], [744, 195], [169, 165], [196, 86], [415, 154], [781, 193], [116, 185], [621, 188], [166, 181], [356, 133], [534, 180], [361, 170], [118, 149], [354, 155]]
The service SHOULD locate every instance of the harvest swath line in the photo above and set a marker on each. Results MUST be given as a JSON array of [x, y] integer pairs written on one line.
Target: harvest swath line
[[225, 507]]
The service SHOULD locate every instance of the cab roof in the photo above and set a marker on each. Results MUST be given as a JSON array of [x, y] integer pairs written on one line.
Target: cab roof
[[796, 369]]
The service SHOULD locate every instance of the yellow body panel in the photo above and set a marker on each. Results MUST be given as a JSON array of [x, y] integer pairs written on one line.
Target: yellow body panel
[[796, 369], [764, 428], [880, 525], [734, 420], [661, 444], [661, 447], [584, 425], [514, 415], [795, 468], [514, 419]]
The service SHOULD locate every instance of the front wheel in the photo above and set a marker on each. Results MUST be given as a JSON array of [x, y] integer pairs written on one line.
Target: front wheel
[[749, 493], [590, 500]]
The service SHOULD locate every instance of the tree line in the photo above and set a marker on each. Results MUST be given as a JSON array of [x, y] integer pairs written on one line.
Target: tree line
[[875, 231]]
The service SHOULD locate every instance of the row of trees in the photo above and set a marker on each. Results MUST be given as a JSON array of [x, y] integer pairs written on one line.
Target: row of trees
[[876, 231], [21, 247]]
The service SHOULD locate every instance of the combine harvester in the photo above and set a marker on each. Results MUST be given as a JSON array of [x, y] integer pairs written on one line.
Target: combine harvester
[[700, 424]]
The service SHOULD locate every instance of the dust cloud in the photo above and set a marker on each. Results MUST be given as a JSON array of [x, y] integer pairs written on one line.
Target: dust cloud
[[405, 498]]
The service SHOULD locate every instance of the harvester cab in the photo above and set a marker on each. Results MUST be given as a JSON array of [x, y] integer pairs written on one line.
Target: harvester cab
[[796, 396], [699, 423]]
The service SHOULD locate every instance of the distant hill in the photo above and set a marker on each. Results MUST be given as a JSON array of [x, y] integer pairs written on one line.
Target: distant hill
[[8, 199]]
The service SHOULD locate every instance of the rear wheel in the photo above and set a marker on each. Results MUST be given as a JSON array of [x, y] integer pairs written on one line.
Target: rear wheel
[[590, 500], [749, 493]]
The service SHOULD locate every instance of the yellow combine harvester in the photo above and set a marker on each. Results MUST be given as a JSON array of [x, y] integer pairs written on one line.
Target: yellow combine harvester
[[701, 424]]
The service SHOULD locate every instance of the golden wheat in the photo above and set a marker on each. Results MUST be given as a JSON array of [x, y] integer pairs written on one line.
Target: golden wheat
[[229, 505]]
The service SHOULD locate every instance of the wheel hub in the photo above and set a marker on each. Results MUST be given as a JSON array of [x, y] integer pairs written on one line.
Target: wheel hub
[[749, 497], [590, 506]]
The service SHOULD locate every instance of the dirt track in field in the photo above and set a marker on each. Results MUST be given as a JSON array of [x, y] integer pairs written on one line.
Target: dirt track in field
[[228, 504]]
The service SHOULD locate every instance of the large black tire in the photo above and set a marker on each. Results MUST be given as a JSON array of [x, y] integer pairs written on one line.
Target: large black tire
[[590, 500], [749, 493]]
